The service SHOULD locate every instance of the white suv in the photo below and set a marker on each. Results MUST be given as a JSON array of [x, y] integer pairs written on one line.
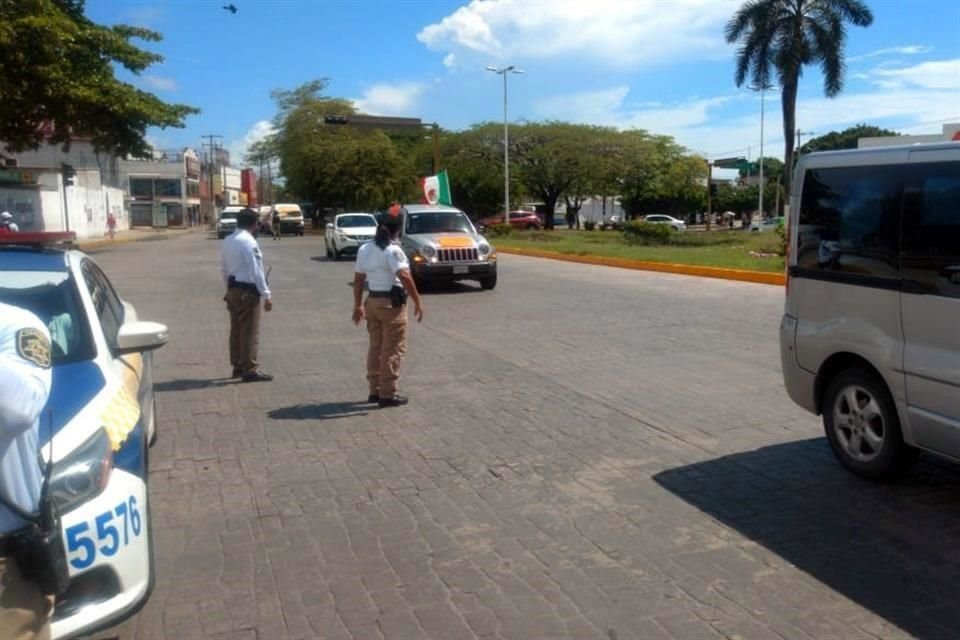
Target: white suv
[[870, 337], [348, 232]]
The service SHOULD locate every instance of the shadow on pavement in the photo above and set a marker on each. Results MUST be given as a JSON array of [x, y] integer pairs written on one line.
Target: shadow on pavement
[[325, 411], [193, 384], [448, 288], [893, 549]]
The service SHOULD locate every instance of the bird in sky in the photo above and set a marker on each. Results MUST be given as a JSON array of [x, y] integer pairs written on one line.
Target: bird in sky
[[232, 8]]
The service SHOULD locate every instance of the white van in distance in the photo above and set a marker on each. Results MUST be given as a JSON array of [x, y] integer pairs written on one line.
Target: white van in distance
[[870, 337]]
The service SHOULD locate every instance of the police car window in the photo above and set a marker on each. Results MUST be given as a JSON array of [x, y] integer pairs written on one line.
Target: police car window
[[52, 297], [850, 220], [106, 303], [931, 228]]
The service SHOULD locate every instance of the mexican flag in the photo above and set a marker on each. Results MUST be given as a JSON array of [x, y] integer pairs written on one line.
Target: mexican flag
[[436, 189]]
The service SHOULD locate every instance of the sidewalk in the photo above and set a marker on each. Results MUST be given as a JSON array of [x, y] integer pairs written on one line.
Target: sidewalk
[[136, 235]]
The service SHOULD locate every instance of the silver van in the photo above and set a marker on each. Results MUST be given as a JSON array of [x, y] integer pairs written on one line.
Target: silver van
[[870, 337]]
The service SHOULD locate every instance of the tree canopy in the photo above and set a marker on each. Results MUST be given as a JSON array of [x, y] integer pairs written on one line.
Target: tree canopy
[[57, 80], [846, 139]]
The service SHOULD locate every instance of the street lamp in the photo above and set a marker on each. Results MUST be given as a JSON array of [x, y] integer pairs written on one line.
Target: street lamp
[[503, 71], [762, 88]]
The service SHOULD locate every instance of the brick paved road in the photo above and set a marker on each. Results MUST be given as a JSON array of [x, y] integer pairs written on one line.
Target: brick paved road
[[591, 453]]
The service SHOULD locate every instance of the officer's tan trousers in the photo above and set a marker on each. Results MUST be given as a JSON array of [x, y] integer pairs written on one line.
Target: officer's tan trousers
[[388, 342], [244, 308], [24, 611]]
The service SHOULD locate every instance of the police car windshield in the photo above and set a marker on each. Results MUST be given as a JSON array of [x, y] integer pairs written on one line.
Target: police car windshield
[[356, 221], [52, 296], [438, 222]]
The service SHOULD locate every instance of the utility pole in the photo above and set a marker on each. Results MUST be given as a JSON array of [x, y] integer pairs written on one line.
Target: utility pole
[[762, 89], [503, 71], [436, 148], [709, 193], [800, 139], [211, 144]]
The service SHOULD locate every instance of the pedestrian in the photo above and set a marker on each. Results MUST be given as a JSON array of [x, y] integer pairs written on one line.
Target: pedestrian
[[111, 224], [241, 263], [384, 268], [25, 380], [275, 224], [7, 223]]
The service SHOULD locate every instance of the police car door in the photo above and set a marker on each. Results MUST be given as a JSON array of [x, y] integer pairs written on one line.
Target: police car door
[[930, 304]]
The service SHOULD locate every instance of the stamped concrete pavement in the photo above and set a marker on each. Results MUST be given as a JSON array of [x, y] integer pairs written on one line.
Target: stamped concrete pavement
[[590, 453]]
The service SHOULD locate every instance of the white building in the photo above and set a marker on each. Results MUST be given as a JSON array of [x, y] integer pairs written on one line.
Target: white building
[[162, 191], [949, 132]]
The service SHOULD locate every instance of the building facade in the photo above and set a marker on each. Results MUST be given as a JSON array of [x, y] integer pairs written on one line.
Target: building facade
[[162, 191]]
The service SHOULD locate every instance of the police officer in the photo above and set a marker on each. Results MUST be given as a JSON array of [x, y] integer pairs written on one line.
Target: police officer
[[384, 268], [242, 266], [6, 221], [24, 386]]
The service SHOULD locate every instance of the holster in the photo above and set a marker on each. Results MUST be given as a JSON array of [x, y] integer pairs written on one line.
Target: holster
[[398, 296], [38, 548]]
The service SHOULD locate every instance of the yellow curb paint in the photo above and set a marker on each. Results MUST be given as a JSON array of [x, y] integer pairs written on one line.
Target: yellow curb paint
[[100, 243], [742, 275]]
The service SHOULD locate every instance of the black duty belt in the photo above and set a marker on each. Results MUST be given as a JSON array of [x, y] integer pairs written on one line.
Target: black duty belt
[[379, 294], [245, 286], [6, 545]]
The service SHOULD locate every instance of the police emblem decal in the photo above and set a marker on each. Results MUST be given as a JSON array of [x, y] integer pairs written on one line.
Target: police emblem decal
[[32, 345]]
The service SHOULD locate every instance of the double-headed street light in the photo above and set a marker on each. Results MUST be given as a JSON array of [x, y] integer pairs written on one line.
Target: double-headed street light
[[503, 71], [762, 88]]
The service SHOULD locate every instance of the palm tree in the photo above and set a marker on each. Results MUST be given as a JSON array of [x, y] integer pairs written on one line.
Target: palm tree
[[783, 36]]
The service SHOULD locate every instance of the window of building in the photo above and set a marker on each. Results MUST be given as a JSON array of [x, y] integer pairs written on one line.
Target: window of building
[[168, 188], [141, 187], [193, 189], [850, 219], [931, 229]]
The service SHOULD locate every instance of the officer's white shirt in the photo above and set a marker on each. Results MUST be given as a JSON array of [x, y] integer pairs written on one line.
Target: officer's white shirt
[[13, 227], [381, 265], [240, 257], [24, 388]]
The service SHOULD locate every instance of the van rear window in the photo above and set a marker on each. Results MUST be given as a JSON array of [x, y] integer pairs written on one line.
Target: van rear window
[[849, 220]]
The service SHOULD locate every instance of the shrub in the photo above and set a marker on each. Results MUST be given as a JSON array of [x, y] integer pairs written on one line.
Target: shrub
[[782, 239], [647, 233], [500, 230], [589, 225]]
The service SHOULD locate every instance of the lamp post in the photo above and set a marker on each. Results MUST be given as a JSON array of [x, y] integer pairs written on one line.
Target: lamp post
[[762, 88], [503, 71]]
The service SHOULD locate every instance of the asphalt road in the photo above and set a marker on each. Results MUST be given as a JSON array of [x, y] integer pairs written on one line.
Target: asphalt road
[[589, 452]]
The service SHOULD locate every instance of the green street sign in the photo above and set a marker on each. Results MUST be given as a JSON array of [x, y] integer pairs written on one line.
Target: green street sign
[[729, 163]]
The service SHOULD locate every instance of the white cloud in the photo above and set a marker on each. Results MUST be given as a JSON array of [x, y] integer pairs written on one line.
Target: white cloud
[[616, 32], [160, 83], [935, 74], [449, 60], [385, 99], [908, 50], [238, 148]]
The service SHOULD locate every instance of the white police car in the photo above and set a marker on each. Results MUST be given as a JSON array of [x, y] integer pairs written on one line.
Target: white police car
[[101, 415]]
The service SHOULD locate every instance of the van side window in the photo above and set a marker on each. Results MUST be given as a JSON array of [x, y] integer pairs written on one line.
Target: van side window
[[931, 229], [849, 221]]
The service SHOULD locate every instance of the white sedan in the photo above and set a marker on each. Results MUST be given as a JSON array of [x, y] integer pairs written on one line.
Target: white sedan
[[347, 232], [101, 416], [677, 225]]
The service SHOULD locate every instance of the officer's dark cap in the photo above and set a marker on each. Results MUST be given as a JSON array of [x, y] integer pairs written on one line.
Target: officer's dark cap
[[246, 218]]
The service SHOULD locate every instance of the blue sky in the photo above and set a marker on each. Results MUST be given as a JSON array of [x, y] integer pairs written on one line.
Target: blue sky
[[658, 65]]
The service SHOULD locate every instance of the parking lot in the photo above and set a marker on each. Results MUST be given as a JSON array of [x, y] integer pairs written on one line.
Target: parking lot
[[588, 452]]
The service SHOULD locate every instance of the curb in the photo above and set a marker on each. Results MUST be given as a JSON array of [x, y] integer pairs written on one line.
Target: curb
[[741, 275], [141, 236]]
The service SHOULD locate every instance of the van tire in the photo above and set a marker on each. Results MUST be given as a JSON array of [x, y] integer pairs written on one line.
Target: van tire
[[859, 415]]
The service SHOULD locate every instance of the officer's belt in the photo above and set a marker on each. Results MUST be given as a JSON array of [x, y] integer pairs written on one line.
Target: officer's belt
[[379, 294], [6, 545], [246, 286]]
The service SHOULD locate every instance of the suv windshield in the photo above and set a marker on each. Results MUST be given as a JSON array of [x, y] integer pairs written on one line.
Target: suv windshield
[[438, 222], [229, 215], [52, 296], [356, 221]]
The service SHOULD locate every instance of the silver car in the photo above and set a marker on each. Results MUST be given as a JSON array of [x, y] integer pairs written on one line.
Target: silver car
[[443, 246]]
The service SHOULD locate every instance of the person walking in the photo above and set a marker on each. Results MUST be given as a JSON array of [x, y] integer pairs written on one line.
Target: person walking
[[111, 224], [25, 379], [241, 264], [383, 267], [7, 223], [275, 224]]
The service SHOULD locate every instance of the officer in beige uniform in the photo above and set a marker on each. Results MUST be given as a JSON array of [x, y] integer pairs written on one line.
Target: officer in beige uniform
[[384, 268], [25, 380]]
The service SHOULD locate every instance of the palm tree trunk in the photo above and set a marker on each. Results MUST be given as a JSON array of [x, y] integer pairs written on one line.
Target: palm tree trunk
[[789, 101]]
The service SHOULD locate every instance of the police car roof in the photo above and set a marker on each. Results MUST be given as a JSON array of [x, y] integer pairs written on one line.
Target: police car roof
[[26, 258]]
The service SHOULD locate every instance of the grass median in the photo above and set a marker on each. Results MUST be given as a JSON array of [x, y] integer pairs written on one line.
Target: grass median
[[736, 249]]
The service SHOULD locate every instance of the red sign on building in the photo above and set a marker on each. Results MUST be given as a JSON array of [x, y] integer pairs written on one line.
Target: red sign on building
[[248, 185]]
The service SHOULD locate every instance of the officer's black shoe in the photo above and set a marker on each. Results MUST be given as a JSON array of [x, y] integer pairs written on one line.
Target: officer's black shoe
[[395, 401], [237, 372], [257, 376], [373, 398]]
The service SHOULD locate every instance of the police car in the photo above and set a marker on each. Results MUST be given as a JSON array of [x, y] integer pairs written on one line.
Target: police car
[[102, 420]]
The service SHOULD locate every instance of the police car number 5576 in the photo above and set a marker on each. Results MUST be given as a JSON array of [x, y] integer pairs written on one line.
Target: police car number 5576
[[108, 532]]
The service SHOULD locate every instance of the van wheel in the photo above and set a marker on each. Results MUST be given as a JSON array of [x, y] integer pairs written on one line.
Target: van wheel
[[861, 423]]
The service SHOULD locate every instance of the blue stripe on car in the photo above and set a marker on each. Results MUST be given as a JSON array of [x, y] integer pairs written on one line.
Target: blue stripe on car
[[74, 386]]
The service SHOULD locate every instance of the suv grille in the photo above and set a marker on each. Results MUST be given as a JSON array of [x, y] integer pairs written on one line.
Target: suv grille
[[457, 255]]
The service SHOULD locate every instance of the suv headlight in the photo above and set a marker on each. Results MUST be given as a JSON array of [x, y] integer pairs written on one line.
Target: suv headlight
[[428, 251], [84, 473], [483, 249]]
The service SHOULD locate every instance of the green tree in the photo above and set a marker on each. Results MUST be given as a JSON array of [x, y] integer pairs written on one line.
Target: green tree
[[846, 139], [475, 169], [57, 80], [783, 36]]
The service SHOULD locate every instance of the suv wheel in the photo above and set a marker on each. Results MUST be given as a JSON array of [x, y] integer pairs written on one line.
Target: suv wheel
[[489, 282], [861, 423]]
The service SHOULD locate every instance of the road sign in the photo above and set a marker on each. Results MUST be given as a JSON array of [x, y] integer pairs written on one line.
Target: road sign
[[729, 163]]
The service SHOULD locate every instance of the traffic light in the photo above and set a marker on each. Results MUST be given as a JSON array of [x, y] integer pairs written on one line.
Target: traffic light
[[69, 173], [335, 120], [713, 189]]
